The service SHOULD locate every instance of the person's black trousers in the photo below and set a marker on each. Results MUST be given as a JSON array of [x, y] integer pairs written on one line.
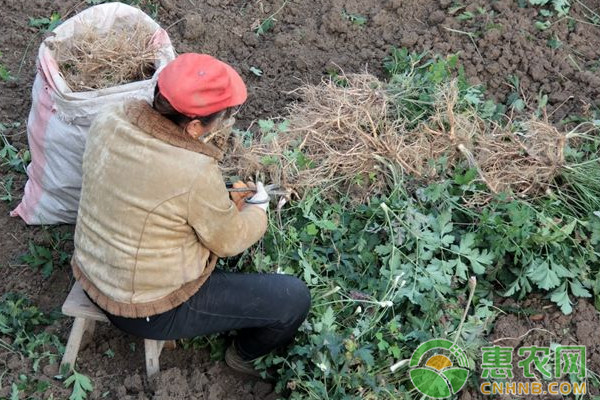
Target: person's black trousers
[[265, 309]]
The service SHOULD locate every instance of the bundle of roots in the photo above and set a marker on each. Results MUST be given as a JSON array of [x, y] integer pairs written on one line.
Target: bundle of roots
[[343, 138], [92, 60]]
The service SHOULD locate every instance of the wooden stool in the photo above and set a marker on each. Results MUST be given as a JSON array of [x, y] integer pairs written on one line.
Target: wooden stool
[[86, 314]]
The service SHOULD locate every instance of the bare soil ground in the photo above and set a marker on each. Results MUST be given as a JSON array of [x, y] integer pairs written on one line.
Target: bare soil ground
[[309, 40]]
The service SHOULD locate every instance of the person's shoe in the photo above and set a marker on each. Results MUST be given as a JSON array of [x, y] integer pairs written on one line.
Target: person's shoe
[[237, 363]]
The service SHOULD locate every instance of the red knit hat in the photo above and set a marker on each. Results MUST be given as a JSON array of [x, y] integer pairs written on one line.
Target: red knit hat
[[198, 85]]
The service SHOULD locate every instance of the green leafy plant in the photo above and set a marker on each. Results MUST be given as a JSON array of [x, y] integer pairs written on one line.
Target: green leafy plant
[[5, 74], [561, 7], [39, 257], [22, 321], [7, 188], [356, 19], [264, 26], [148, 6], [14, 392], [415, 80], [215, 343], [109, 353], [46, 24], [9, 154], [25, 385], [543, 25], [82, 385], [554, 42], [256, 71], [384, 277], [337, 78], [364, 264], [535, 251], [547, 10], [514, 100], [44, 258], [465, 16]]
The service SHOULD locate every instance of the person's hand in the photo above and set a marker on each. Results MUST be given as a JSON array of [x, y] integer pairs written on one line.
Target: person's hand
[[261, 198], [239, 197]]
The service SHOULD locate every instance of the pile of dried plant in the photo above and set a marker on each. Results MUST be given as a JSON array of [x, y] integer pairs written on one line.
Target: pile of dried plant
[[345, 135], [92, 60], [339, 130], [522, 158]]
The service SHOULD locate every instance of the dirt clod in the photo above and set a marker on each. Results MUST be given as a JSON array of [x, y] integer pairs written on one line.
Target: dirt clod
[[261, 389], [437, 17], [14, 362], [193, 27], [51, 370], [170, 384], [133, 383]]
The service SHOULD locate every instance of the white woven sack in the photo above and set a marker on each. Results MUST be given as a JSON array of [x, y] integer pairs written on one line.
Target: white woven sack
[[60, 118]]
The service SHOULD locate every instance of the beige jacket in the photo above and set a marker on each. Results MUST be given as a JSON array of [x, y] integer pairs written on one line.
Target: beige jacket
[[154, 213]]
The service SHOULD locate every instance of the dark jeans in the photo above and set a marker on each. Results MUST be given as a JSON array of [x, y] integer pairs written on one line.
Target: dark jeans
[[265, 309]]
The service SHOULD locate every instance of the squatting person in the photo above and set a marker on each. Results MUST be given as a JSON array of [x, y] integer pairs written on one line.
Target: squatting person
[[155, 215]]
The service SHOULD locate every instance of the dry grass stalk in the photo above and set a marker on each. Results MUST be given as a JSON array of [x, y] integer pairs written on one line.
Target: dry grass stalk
[[92, 60], [345, 131]]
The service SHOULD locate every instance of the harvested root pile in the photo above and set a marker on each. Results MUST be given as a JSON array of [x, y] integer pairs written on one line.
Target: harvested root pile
[[337, 133], [341, 138], [92, 60], [520, 158]]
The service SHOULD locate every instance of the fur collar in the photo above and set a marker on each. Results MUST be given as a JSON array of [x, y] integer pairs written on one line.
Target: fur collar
[[142, 115]]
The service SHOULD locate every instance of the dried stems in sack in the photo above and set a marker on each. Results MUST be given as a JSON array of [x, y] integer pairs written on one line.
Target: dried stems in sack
[[92, 60]]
